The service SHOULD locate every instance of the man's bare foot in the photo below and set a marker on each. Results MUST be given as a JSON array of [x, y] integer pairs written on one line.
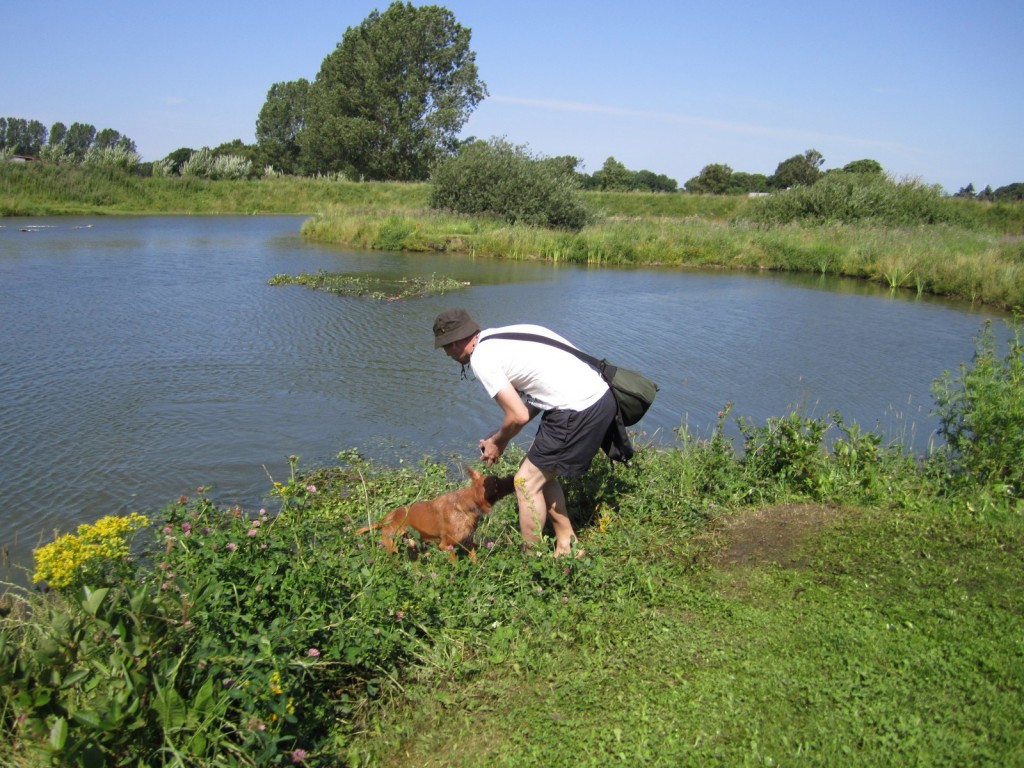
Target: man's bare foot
[[559, 551]]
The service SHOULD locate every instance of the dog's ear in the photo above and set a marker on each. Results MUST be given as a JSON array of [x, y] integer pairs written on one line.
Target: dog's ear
[[473, 474]]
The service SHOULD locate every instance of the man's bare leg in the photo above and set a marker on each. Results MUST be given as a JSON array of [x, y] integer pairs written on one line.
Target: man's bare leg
[[540, 495]]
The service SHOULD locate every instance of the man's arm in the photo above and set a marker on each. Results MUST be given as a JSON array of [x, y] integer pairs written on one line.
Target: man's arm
[[516, 416]]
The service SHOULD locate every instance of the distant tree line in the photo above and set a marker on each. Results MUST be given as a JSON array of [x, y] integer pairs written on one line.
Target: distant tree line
[[615, 177], [1008, 193], [805, 170], [19, 136], [799, 170]]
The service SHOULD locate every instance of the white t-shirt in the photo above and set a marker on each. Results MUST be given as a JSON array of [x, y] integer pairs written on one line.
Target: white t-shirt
[[544, 376]]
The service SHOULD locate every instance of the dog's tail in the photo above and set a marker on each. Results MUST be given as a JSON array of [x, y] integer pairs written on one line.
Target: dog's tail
[[388, 518]]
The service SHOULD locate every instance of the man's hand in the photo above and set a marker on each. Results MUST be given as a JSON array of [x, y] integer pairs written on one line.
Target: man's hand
[[490, 451], [515, 416]]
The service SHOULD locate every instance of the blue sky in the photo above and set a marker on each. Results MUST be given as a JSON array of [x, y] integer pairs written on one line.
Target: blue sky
[[931, 89]]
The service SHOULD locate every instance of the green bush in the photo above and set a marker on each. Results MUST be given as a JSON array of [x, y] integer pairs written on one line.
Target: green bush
[[981, 415], [112, 157], [786, 454], [860, 197], [505, 180], [205, 164]]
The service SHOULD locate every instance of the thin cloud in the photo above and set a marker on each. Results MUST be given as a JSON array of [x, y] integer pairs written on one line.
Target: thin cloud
[[748, 129]]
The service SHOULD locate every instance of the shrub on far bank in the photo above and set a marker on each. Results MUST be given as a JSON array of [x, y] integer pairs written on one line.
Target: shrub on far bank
[[501, 179], [842, 197], [205, 164]]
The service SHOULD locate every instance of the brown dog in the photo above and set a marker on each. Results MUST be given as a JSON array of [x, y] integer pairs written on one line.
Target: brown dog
[[450, 519]]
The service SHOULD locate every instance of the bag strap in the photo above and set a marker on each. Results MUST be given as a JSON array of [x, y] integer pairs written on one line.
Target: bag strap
[[518, 336]]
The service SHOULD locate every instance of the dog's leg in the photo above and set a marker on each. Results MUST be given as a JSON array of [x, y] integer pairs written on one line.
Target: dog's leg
[[446, 543], [390, 526], [391, 532]]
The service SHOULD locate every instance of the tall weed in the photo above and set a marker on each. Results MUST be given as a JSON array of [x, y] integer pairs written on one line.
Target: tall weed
[[981, 414]]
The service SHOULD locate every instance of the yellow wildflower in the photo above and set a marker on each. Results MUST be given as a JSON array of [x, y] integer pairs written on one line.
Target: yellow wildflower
[[275, 684], [107, 539]]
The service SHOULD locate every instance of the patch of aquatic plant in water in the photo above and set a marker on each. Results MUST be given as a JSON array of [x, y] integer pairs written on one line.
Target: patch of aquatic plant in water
[[372, 286]]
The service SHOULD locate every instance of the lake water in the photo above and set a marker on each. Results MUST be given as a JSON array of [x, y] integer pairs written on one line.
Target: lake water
[[143, 357]]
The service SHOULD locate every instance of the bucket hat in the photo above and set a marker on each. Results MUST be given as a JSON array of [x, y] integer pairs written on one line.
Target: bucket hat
[[453, 325]]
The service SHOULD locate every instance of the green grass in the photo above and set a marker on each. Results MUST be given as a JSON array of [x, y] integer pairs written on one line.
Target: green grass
[[784, 635], [42, 190], [943, 260]]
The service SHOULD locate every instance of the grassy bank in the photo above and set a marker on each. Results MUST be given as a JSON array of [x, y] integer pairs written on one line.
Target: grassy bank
[[697, 629], [942, 260], [761, 604], [47, 190]]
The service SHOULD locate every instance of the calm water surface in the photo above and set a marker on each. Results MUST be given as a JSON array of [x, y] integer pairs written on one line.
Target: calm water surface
[[143, 357]]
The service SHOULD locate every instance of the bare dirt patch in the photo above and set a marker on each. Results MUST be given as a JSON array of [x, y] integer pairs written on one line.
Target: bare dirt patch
[[774, 534]]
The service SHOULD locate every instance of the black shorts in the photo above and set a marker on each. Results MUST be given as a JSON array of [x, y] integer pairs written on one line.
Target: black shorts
[[567, 441]]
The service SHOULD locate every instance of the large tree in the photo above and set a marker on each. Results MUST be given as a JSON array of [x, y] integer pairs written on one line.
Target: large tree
[[22, 137], [57, 133], [714, 179], [108, 138], [799, 170], [613, 175], [866, 165], [1013, 191], [280, 124], [79, 138], [392, 97]]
